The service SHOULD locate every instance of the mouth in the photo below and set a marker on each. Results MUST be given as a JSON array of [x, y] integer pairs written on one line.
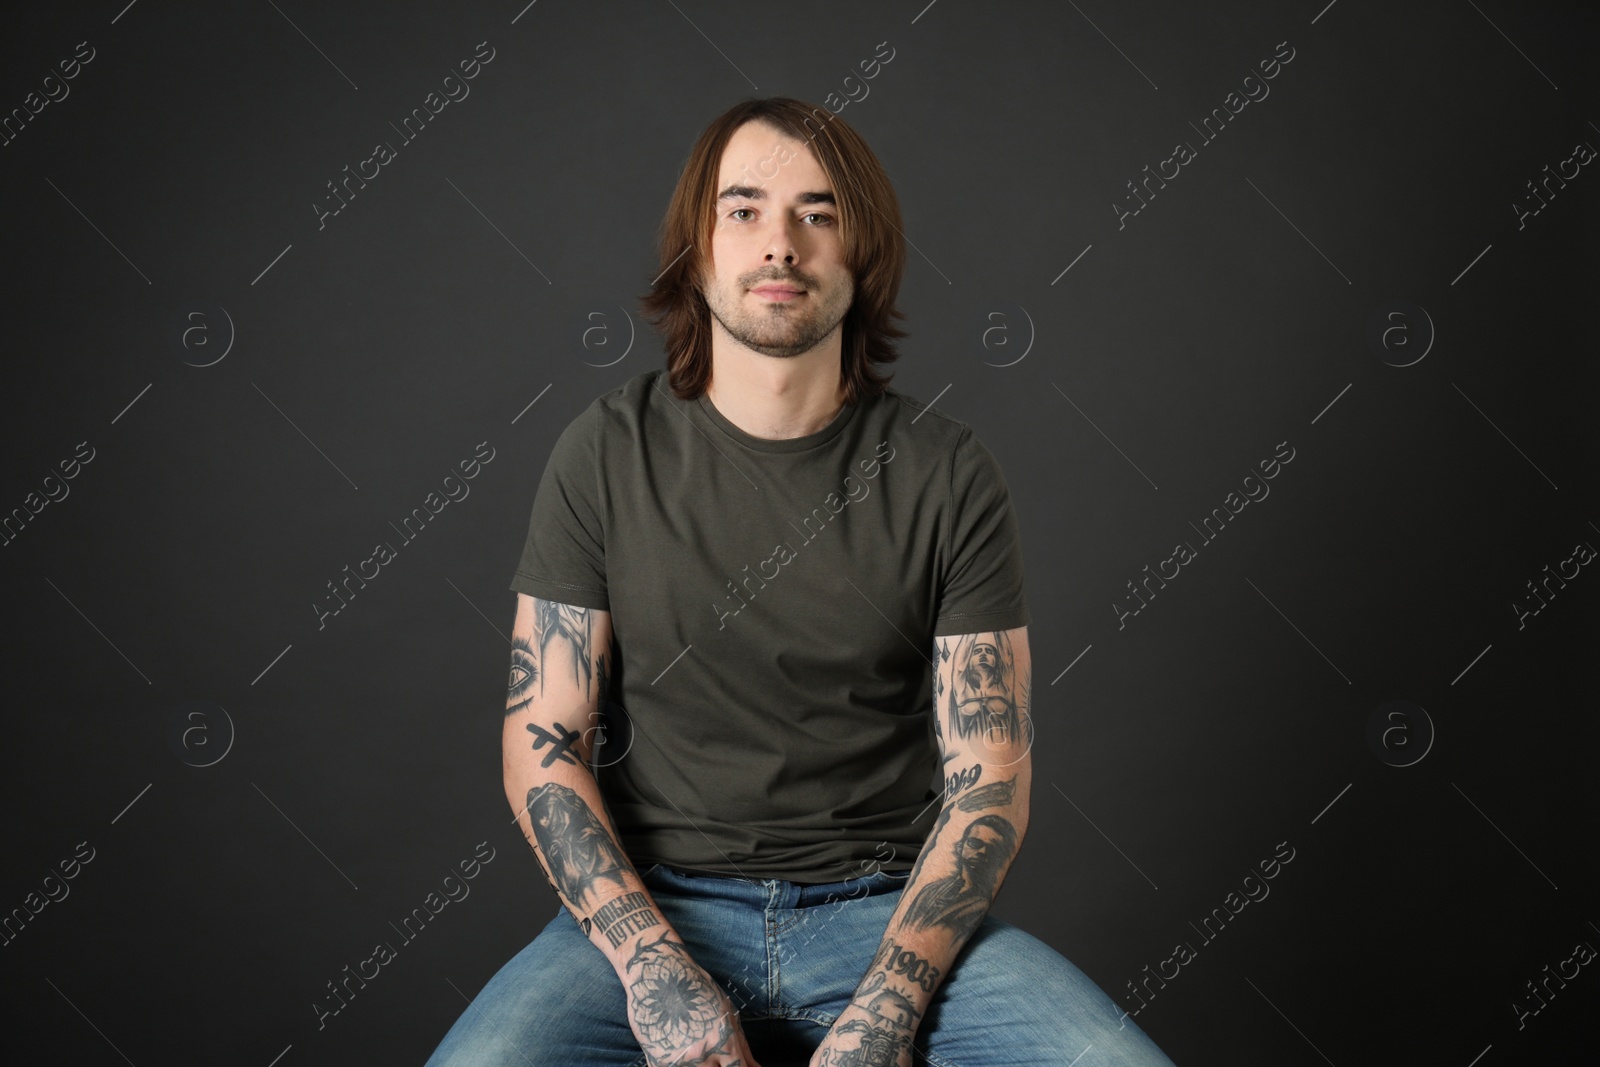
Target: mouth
[[779, 292]]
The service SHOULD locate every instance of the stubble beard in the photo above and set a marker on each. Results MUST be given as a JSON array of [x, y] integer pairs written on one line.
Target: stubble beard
[[781, 330]]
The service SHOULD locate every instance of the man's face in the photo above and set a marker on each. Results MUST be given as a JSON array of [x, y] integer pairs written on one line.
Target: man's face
[[977, 846], [776, 225], [985, 658]]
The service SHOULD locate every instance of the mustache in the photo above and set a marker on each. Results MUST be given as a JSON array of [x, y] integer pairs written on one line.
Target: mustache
[[780, 279]]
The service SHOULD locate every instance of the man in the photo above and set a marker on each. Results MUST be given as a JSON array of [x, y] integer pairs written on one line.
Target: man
[[789, 601]]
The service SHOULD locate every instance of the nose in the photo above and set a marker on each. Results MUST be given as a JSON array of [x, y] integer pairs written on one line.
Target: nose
[[780, 244]]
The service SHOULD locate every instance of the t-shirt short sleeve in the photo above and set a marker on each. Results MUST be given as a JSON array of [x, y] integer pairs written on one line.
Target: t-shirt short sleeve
[[981, 588], [564, 556]]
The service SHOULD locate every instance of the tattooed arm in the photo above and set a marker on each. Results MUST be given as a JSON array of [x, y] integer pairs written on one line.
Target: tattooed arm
[[982, 690], [561, 665]]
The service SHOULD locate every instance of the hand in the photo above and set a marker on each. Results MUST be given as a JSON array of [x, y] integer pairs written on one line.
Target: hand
[[679, 1015], [875, 1030]]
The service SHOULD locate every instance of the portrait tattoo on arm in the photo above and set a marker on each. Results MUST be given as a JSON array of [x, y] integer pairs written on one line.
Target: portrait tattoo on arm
[[993, 795], [959, 900], [983, 700], [577, 849]]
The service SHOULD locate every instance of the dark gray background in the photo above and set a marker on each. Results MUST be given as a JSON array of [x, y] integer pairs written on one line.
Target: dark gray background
[[1176, 352]]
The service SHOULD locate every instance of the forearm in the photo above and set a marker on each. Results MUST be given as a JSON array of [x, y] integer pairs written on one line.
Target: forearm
[[982, 716], [951, 888], [560, 675], [560, 672], [564, 817]]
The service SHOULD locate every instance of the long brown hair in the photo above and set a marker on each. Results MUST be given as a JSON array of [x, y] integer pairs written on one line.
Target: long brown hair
[[869, 220]]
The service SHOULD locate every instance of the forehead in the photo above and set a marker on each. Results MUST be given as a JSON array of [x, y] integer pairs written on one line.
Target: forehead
[[763, 156]]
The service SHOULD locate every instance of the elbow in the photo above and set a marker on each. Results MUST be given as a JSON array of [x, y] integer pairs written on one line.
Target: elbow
[[1021, 800], [516, 798], [514, 779]]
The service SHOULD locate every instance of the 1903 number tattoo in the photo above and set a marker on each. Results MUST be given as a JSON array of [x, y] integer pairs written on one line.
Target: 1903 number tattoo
[[905, 962]]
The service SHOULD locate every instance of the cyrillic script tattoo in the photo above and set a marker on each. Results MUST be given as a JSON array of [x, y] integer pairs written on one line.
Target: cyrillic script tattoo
[[576, 846], [625, 916]]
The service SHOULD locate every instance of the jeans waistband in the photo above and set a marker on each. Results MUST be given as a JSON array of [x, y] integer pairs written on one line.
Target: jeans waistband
[[772, 892]]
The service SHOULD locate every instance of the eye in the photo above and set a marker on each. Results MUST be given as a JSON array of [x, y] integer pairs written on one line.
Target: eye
[[524, 675], [736, 211], [826, 219]]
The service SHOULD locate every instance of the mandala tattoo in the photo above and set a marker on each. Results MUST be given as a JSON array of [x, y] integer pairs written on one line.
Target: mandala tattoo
[[672, 1003]]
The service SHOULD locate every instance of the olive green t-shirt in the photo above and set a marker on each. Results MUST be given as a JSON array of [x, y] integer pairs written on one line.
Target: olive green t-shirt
[[774, 605]]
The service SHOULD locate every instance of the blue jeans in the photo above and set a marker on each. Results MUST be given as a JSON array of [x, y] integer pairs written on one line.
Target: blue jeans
[[789, 957]]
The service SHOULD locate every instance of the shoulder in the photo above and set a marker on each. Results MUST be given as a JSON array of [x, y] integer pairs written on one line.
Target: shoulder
[[619, 409], [935, 432], [631, 397]]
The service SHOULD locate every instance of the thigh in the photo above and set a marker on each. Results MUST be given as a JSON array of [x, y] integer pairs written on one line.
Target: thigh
[[556, 1002], [1012, 999]]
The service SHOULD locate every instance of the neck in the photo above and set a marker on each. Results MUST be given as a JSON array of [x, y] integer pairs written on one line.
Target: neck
[[776, 398]]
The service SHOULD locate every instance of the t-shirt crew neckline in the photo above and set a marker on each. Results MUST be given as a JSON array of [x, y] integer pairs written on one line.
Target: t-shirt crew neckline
[[789, 444]]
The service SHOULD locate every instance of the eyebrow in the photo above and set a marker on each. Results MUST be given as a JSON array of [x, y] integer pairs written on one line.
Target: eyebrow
[[755, 192]]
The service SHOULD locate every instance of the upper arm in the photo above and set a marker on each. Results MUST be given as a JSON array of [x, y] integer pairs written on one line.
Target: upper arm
[[561, 667], [982, 703]]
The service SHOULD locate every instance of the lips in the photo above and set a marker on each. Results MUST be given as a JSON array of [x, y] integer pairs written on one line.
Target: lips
[[779, 294]]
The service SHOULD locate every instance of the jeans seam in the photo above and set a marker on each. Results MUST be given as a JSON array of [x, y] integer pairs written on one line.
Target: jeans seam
[[775, 970]]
